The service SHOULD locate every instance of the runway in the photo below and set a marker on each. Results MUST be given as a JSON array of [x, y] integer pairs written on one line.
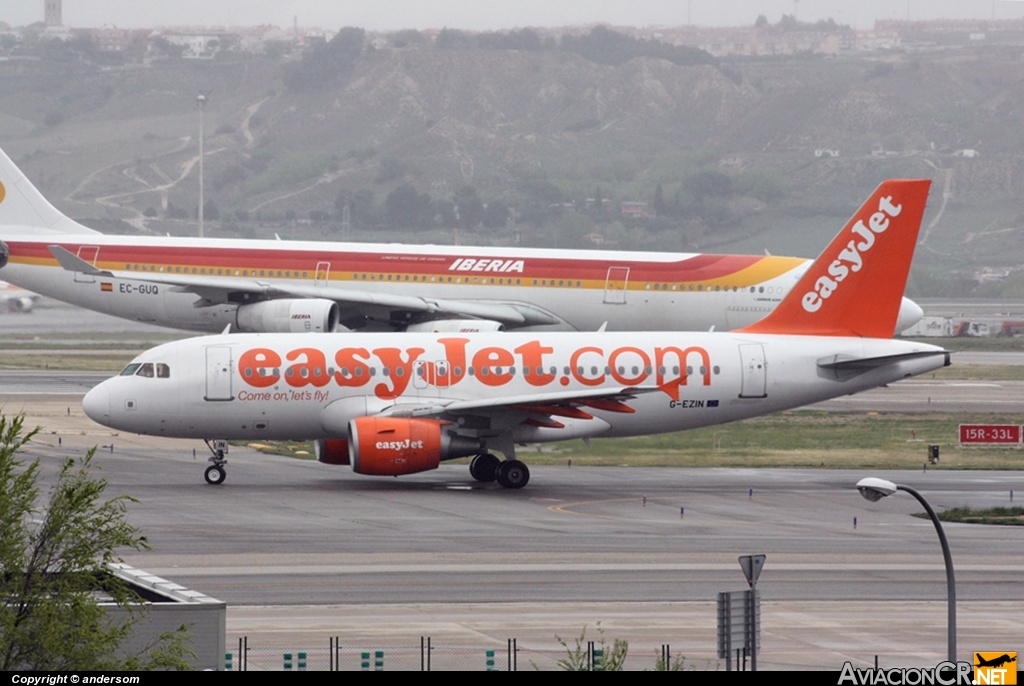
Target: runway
[[302, 549]]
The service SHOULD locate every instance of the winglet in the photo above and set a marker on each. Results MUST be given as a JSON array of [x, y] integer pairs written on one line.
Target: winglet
[[856, 285], [23, 207]]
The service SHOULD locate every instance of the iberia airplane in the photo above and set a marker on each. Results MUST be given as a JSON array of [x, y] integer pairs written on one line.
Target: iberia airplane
[[394, 404], [298, 286]]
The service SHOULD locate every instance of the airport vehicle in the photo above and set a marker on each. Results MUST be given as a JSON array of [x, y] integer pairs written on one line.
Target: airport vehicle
[[14, 299], [395, 404], [300, 286]]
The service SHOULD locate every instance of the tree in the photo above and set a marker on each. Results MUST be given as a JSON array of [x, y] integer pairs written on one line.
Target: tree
[[54, 557], [406, 208], [496, 214], [469, 206]]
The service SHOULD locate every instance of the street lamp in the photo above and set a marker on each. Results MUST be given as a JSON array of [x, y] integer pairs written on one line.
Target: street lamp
[[874, 490], [201, 103]]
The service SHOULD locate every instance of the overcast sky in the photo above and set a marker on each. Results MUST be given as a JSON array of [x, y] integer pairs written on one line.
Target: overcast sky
[[386, 15]]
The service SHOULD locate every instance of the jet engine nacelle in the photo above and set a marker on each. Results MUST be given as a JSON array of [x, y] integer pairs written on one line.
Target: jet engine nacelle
[[20, 304], [456, 326], [303, 315], [389, 446], [331, 451]]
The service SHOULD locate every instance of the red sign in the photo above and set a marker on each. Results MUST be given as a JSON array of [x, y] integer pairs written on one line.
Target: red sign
[[990, 433]]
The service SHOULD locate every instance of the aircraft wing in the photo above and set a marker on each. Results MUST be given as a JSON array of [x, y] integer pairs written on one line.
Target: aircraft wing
[[354, 303], [536, 406]]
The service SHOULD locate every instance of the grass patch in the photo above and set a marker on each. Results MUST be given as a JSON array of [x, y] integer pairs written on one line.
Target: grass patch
[[102, 362], [1004, 516], [300, 450], [803, 438], [1005, 344]]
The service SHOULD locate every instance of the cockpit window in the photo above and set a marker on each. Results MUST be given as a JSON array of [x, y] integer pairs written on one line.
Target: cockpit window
[[130, 369], [163, 371], [146, 370]]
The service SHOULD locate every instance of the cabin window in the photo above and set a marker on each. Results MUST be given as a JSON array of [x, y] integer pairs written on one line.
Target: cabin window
[[716, 369]]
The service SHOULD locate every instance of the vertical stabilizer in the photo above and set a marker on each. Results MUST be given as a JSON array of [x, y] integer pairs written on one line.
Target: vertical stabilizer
[[23, 209], [855, 287]]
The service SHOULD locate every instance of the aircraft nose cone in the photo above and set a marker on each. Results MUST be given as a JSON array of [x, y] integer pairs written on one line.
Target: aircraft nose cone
[[96, 404], [910, 314]]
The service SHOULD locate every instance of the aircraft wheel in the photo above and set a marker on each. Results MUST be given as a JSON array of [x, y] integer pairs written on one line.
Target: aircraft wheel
[[513, 474], [215, 475], [484, 467]]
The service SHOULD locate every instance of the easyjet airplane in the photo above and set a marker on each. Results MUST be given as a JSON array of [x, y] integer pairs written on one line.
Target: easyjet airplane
[[394, 404], [293, 286]]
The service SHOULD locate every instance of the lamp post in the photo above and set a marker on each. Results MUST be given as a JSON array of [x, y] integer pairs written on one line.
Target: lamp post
[[874, 490], [201, 103]]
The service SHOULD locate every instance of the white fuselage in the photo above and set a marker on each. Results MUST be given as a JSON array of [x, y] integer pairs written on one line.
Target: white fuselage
[[274, 386], [581, 289]]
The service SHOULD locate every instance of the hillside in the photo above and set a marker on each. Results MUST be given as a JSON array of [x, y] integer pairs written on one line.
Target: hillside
[[422, 141]]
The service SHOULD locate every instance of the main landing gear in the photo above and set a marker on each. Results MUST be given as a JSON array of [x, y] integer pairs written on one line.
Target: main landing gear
[[509, 474], [215, 473]]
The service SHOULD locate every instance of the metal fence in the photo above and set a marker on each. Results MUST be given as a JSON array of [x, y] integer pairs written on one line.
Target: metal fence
[[427, 656]]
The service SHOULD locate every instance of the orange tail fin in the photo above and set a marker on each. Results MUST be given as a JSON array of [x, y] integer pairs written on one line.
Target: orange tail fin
[[856, 285]]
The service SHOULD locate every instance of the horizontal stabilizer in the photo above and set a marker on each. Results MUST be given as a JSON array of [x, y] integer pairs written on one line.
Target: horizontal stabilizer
[[843, 367]]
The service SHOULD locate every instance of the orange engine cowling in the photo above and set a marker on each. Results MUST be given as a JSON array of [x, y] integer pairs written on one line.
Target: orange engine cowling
[[331, 451], [387, 446]]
